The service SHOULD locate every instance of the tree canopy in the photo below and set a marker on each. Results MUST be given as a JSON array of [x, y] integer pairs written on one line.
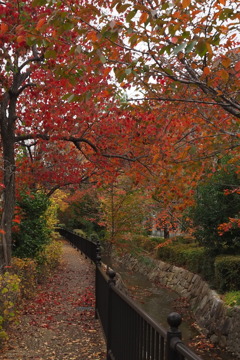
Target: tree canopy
[[63, 69]]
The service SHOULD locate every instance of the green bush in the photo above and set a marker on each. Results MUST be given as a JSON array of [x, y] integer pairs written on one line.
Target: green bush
[[192, 257], [33, 233], [83, 214], [227, 273], [148, 243]]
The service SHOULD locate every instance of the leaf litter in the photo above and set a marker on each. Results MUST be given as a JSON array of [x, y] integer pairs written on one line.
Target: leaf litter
[[59, 322]]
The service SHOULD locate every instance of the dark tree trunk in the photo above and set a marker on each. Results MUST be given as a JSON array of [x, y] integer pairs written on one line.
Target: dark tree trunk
[[166, 233], [7, 124]]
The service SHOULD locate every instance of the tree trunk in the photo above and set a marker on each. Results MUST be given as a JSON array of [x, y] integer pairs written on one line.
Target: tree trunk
[[7, 124]]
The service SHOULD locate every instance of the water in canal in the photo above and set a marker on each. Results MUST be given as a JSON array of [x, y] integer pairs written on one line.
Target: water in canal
[[159, 301]]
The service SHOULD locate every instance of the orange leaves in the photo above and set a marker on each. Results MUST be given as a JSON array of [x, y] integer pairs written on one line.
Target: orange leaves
[[17, 219], [226, 61], [186, 3], [233, 223], [3, 28], [223, 74], [237, 67], [20, 39], [40, 23], [143, 18], [206, 71], [92, 36]]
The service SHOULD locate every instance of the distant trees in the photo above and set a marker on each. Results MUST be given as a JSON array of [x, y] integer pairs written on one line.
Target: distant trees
[[215, 215]]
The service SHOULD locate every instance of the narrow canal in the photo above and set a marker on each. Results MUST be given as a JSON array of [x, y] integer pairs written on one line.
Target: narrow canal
[[159, 301]]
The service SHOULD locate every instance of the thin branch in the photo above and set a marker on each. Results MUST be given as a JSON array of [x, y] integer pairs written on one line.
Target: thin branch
[[179, 100]]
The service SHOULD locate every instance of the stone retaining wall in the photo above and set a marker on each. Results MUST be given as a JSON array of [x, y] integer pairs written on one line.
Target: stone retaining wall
[[218, 321]]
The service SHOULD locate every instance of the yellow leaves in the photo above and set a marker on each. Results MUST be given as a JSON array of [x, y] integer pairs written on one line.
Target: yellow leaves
[[186, 3], [3, 28]]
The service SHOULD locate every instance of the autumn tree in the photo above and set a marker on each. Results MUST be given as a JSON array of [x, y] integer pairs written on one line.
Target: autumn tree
[[56, 98], [194, 44], [47, 83], [182, 60], [126, 209]]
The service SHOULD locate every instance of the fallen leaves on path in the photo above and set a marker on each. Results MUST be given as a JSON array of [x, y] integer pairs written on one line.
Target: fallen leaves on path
[[59, 323]]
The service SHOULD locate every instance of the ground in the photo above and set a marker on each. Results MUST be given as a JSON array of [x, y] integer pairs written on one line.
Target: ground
[[59, 322]]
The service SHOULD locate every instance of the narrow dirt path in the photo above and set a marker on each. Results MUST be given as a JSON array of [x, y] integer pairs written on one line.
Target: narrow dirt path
[[59, 323]]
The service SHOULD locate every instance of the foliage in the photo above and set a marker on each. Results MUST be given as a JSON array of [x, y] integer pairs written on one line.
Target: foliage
[[80, 232], [51, 215], [148, 243], [21, 280], [26, 270], [62, 124], [213, 208], [196, 259], [232, 298], [227, 272], [48, 259], [9, 299], [83, 212], [33, 232], [168, 48], [125, 209]]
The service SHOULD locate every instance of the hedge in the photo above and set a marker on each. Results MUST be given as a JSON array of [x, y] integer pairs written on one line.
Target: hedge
[[194, 258], [227, 272]]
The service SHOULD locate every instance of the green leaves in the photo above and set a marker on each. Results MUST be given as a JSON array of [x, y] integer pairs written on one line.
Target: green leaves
[[201, 47], [131, 15], [179, 48]]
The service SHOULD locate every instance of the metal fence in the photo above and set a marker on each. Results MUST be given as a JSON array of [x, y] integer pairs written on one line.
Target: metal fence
[[87, 247], [130, 333]]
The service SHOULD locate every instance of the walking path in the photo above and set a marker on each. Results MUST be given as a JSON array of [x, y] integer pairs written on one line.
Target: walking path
[[59, 323]]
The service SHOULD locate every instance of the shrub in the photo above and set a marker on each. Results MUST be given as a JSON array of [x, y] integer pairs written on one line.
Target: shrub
[[26, 270], [48, 259], [148, 243], [80, 232], [194, 258], [227, 273], [33, 232], [9, 299], [94, 237]]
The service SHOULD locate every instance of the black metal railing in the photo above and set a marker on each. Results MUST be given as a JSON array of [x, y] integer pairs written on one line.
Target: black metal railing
[[87, 247], [130, 333]]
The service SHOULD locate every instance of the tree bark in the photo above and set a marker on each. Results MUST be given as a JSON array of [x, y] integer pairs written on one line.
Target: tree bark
[[7, 124]]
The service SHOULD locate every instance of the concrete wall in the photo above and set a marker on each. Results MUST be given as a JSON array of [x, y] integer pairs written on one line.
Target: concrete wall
[[218, 321]]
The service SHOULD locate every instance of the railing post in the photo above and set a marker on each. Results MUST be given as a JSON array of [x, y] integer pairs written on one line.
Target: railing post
[[111, 282], [97, 264], [174, 336]]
